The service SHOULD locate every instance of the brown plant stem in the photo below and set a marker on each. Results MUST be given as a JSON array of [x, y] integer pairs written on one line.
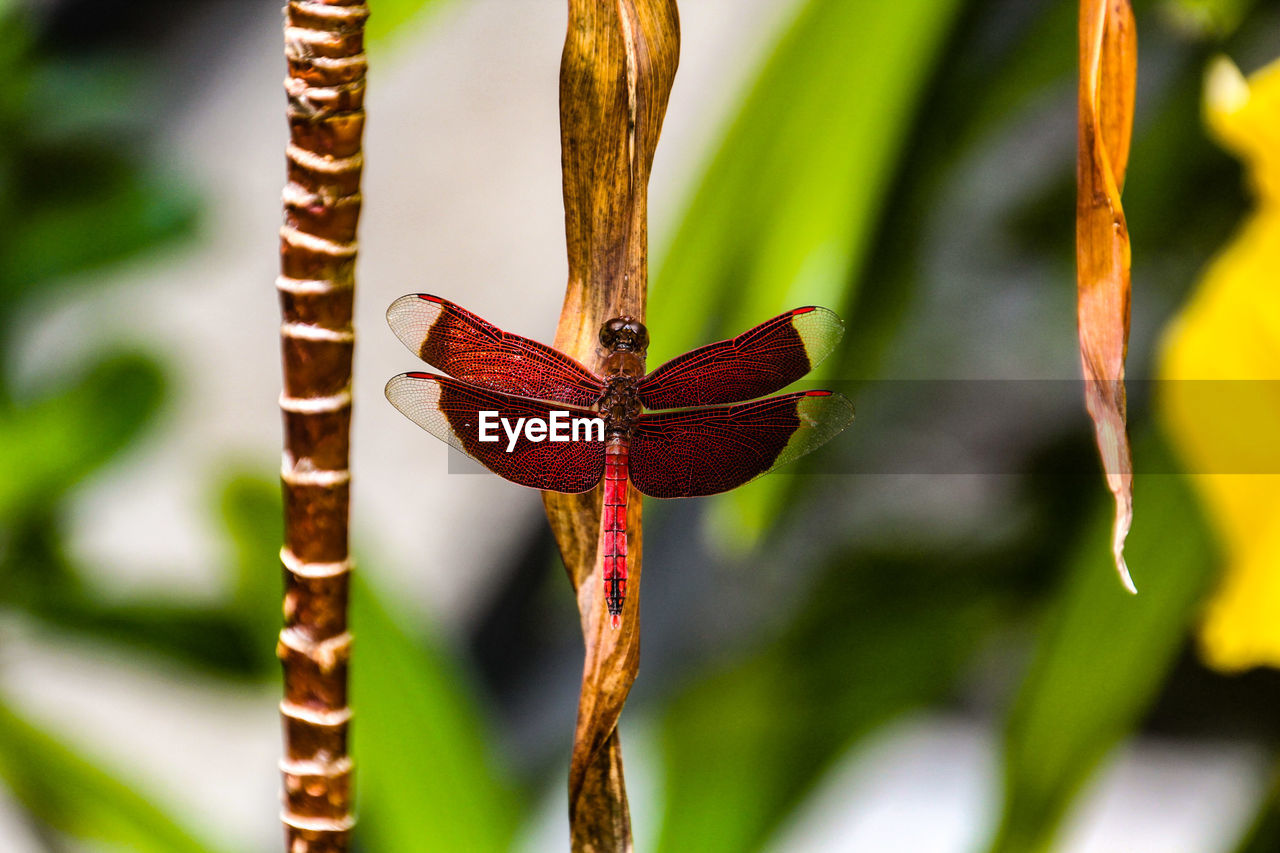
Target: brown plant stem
[[324, 46], [616, 72]]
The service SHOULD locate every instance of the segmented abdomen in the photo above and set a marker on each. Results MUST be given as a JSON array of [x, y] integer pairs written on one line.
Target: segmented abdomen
[[613, 534]]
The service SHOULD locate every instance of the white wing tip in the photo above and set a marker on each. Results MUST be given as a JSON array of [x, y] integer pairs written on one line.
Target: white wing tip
[[411, 318], [424, 390]]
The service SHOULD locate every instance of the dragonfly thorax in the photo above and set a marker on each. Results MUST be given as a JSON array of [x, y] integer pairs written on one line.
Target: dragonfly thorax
[[620, 404], [626, 339]]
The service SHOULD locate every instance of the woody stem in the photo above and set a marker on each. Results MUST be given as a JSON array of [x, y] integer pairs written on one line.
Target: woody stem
[[324, 47]]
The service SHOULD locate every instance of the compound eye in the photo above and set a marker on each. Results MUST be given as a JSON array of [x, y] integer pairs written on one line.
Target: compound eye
[[608, 334], [624, 333]]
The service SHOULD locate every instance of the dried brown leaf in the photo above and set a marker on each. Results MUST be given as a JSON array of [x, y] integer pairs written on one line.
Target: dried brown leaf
[[1108, 72], [616, 72]]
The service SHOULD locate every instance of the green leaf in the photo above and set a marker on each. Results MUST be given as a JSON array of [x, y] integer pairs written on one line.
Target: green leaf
[[1102, 653], [1216, 18], [206, 637], [81, 212], [786, 212], [251, 511], [238, 638], [235, 638], [75, 797], [426, 779], [73, 192], [743, 746], [389, 16], [49, 446], [787, 208]]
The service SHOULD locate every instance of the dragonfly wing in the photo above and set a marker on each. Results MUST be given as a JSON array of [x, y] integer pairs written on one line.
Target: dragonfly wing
[[693, 452], [759, 361], [451, 411], [457, 342]]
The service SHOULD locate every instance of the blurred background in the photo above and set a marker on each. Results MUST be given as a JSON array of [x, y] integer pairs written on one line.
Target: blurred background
[[916, 642]]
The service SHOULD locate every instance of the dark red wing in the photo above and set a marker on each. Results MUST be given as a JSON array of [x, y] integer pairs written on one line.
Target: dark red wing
[[457, 342], [705, 451], [450, 410], [760, 361]]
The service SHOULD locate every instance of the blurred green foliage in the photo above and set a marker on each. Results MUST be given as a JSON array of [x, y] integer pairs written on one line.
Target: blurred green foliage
[[74, 197], [390, 17], [424, 746], [1208, 17], [787, 207], [786, 211], [43, 447], [745, 743], [865, 121], [1102, 656], [64, 791], [1264, 835]]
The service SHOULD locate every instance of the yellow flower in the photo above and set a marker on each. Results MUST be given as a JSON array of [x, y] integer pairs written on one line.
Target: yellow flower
[[1230, 330]]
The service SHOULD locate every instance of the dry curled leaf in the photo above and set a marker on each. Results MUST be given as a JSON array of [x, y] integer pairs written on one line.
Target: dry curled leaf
[[615, 76], [1108, 71]]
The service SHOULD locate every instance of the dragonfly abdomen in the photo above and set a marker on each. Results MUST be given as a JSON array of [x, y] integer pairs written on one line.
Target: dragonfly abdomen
[[613, 533]]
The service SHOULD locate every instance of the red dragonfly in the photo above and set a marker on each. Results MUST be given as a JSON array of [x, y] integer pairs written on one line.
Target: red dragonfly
[[573, 427]]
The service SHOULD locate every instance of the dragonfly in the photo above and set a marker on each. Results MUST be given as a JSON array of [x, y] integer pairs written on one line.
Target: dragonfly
[[694, 426]]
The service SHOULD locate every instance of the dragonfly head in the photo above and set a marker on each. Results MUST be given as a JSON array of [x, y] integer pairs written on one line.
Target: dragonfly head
[[624, 334]]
